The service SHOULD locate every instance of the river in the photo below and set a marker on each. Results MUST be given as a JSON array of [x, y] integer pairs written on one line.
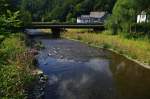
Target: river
[[78, 71]]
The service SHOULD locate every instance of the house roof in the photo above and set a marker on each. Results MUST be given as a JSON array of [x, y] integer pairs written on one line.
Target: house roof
[[97, 14], [85, 16], [93, 15]]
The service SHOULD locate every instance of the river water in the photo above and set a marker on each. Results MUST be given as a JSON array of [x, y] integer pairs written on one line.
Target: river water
[[78, 71]]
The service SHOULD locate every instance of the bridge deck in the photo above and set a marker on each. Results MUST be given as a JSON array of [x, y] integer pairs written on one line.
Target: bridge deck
[[40, 25]]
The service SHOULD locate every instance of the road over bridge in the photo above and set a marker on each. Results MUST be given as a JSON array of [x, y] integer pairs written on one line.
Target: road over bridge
[[57, 27]]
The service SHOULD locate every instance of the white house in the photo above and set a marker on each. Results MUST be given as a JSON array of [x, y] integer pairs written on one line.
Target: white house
[[93, 17], [142, 17], [83, 19]]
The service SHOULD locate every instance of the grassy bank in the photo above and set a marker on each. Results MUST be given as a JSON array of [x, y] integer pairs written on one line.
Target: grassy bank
[[16, 65], [135, 49]]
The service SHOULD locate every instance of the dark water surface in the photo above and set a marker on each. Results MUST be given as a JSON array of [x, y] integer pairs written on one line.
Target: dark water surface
[[77, 71]]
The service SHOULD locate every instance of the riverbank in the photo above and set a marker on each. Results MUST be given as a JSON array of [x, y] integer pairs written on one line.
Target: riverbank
[[16, 66], [137, 50]]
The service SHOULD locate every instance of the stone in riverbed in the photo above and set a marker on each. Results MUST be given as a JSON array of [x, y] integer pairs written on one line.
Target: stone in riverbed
[[49, 54], [40, 95], [55, 52], [61, 57], [33, 51], [43, 78]]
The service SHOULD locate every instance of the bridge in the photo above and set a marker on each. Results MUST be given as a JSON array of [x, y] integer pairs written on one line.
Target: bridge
[[58, 27]]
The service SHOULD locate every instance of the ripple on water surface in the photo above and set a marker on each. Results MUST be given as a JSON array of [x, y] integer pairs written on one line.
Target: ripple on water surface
[[77, 71]]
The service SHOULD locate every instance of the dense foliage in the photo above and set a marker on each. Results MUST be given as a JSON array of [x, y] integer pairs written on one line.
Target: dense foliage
[[9, 21], [63, 10], [9, 15], [8, 5]]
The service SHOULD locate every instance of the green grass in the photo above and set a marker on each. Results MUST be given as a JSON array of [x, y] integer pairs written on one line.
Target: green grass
[[15, 67], [138, 49]]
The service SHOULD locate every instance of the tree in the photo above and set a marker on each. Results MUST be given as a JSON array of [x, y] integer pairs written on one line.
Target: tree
[[125, 12], [124, 15]]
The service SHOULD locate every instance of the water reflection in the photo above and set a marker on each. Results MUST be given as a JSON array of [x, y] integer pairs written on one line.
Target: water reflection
[[77, 71], [100, 65], [132, 80]]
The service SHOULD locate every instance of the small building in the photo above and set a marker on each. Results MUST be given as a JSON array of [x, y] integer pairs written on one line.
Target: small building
[[93, 17], [83, 19], [142, 18]]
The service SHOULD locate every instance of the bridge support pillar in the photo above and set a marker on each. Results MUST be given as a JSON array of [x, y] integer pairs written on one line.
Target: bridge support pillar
[[56, 32], [98, 29]]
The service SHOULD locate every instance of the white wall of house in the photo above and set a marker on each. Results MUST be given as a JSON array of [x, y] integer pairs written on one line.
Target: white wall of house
[[141, 18], [79, 20]]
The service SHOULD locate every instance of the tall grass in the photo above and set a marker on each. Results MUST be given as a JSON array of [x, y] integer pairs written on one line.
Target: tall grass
[[15, 67], [134, 48]]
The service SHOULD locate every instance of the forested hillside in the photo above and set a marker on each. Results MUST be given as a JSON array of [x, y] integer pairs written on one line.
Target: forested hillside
[[62, 10]]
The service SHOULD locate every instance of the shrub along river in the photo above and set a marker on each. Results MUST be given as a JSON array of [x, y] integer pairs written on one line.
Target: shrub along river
[[77, 71]]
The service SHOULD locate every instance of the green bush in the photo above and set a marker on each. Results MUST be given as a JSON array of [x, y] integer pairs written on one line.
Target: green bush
[[142, 27], [9, 21], [12, 44]]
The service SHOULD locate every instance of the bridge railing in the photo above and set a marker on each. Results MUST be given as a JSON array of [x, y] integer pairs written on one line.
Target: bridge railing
[[46, 25], [50, 23]]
